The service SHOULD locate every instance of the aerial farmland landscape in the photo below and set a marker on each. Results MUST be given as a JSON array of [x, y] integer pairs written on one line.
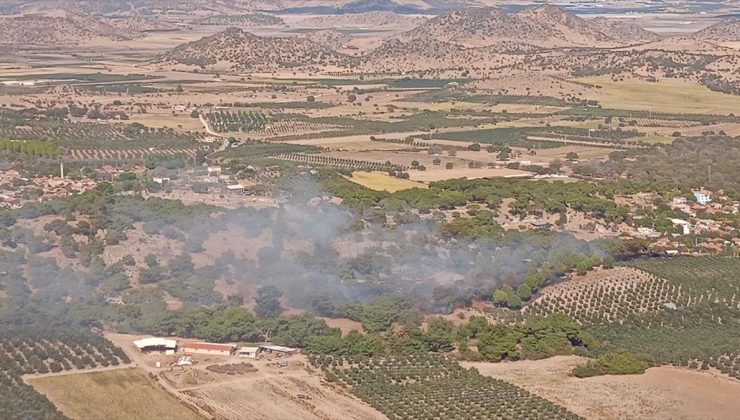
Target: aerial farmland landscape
[[369, 209]]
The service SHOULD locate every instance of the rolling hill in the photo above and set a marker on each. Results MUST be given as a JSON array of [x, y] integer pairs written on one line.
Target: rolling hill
[[56, 27], [364, 20], [724, 31], [235, 49], [544, 26]]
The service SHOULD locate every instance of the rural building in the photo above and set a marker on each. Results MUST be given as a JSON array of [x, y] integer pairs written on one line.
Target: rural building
[[156, 344], [201, 347], [235, 189], [683, 225], [249, 352], [539, 223], [702, 197], [159, 180], [278, 350]]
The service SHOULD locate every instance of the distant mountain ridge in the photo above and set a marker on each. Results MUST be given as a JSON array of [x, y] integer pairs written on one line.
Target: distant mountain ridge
[[369, 19], [544, 26], [56, 27]]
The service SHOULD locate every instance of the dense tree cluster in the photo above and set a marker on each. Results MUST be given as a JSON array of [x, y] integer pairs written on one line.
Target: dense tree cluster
[[709, 161]]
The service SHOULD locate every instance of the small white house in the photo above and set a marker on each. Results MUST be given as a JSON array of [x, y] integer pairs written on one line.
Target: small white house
[[249, 352], [702, 197], [683, 225]]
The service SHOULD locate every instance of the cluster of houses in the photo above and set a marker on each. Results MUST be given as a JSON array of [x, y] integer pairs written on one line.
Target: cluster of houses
[[715, 232], [170, 346], [44, 188]]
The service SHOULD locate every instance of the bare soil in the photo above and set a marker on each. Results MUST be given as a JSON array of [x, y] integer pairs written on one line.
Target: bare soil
[[659, 393]]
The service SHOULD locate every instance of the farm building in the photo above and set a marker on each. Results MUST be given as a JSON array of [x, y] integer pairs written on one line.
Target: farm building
[[539, 223], [235, 189], [200, 347], [278, 350], [156, 344], [249, 352]]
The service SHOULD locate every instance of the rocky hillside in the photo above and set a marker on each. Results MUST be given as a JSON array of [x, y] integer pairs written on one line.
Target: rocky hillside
[[364, 20], [139, 24], [725, 31], [57, 27], [328, 37], [626, 32], [544, 26], [251, 20], [235, 49]]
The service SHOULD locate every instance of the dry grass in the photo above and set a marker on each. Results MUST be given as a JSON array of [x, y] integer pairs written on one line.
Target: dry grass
[[672, 97], [381, 182], [117, 394], [659, 393]]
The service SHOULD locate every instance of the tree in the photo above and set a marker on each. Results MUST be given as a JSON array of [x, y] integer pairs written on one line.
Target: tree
[[151, 260], [310, 99], [267, 302], [499, 296], [351, 97], [449, 165], [608, 262], [514, 301], [195, 114], [572, 156], [475, 147], [555, 165], [439, 335], [436, 161]]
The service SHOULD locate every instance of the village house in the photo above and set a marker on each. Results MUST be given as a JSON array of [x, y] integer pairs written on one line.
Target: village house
[[702, 197]]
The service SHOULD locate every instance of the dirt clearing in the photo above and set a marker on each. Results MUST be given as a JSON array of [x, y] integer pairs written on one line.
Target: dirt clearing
[[660, 393], [286, 397]]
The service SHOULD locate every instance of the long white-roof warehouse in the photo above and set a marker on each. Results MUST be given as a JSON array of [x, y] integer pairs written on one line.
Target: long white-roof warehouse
[[156, 342]]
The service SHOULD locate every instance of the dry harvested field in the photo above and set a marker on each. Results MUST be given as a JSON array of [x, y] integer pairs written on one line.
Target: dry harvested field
[[116, 394], [672, 97], [455, 173], [659, 393], [289, 396], [434, 172], [383, 182]]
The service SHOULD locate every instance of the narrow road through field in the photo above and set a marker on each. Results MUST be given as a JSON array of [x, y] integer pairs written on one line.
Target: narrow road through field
[[612, 145], [208, 127], [76, 371]]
